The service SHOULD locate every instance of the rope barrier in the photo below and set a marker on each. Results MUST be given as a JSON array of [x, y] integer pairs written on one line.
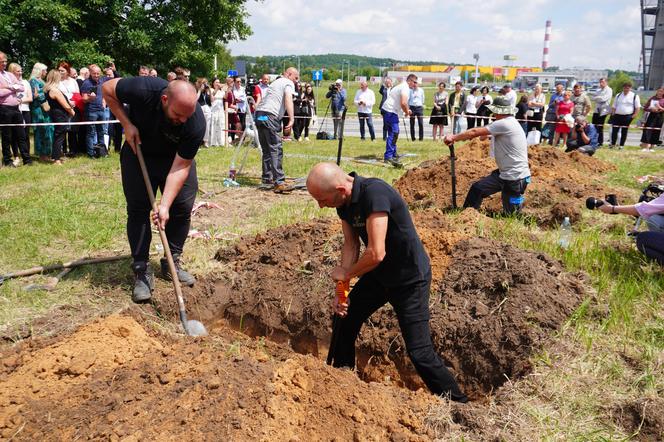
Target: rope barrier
[[476, 117]]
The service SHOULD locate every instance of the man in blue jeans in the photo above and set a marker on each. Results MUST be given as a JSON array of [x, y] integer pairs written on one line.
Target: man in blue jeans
[[94, 111], [396, 105]]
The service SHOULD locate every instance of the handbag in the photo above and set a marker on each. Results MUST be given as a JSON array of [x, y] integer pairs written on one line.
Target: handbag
[[45, 106], [530, 113], [534, 137]]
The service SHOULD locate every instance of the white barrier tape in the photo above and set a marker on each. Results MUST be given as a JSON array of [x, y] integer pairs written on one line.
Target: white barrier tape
[[543, 122], [73, 123]]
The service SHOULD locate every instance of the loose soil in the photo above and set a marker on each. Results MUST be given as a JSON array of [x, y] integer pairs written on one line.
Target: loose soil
[[561, 181]]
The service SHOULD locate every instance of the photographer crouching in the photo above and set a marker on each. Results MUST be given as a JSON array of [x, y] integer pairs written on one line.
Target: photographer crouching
[[651, 242], [583, 137]]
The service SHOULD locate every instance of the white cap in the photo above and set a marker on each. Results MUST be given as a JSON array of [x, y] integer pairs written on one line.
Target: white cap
[[338, 81]]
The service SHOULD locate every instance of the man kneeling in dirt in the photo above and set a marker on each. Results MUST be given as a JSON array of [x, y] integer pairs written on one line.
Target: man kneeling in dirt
[[167, 121], [394, 268], [510, 150]]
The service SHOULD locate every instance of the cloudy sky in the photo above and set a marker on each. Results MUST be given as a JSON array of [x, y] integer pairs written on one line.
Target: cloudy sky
[[589, 33]]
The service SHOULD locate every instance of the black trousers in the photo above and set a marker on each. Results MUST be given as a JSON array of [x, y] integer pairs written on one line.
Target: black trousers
[[12, 115], [411, 304], [418, 112], [651, 244], [511, 192], [535, 122], [138, 203], [60, 132], [598, 121], [620, 120], [27, 119], [471, 120]]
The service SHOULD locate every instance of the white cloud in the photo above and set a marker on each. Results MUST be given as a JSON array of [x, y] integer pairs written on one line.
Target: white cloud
[[595, 33]]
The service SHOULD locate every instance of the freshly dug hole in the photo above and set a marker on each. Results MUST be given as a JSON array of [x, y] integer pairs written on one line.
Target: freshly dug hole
[[492, 305], [560, 181]]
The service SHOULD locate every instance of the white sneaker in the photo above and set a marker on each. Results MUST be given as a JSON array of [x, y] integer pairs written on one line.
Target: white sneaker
[[306, 138]]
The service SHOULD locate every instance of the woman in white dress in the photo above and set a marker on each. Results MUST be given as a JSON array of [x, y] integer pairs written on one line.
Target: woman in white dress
[[205, 100], [217, 114]]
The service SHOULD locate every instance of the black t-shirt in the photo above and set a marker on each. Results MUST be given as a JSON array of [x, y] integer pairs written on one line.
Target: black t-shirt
[[522, 108], [158, 136], [405, 260]]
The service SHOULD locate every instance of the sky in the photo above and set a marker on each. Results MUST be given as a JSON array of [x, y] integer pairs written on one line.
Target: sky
[[595, 34]]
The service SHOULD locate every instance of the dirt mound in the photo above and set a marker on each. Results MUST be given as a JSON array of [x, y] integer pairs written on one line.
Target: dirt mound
[[643, 418], [133, 386], [559, 180], [493, 305]]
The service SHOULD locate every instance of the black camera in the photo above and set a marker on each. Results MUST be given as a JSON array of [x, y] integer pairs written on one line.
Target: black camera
[[593, 203], [577, 127], [332, 87]]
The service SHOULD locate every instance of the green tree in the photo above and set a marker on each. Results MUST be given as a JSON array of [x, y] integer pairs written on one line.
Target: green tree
[[159, 33], [486, 77], [617, 80]]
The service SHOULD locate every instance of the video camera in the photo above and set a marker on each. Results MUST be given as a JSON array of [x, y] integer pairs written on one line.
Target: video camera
[[593, 203], [249, 87], [333, 87]]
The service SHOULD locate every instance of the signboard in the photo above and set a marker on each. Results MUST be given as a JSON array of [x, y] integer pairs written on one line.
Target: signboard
[[317, 75], [241, 67], [360, 78], [509, 57], [232, 73]]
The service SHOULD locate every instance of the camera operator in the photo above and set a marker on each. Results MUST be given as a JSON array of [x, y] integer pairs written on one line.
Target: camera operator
[[583, 137], [650, 243], [337, 96]]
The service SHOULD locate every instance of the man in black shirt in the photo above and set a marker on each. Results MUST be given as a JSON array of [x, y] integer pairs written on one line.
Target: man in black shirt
[[168, 123], [394, 268]]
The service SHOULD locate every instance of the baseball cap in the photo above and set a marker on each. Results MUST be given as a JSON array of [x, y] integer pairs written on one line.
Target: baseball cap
[[338, 81]]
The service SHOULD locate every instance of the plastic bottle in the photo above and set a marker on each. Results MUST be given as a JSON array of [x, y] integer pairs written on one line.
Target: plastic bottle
[[565, 233]]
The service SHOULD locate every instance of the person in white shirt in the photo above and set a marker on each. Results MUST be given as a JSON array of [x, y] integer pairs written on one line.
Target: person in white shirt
[[602, 99], [416, 104], [364, 100], [241, 99], [625, 107], [471, 105], [536, 104], [510, 94], [395, 105]]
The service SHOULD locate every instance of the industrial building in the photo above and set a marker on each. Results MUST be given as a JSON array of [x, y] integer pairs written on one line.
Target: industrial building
[[652, 34]]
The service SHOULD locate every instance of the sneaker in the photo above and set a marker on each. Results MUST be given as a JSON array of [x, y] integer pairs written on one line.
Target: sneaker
[[611, 146], [144, 283], [620, 147], [266, 186], [16, 162], [282, 188], [306, 139], [185, 277]]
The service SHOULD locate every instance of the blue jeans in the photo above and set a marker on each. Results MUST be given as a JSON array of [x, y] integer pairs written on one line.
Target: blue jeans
[[391, 120], [457, 124], [95, 132]]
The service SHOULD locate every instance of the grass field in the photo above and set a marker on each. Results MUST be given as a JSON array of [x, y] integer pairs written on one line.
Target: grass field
[[610, 352]]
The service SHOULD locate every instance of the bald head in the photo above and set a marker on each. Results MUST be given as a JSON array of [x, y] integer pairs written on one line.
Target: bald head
[[292, 74], [329, 185], [179, 101]]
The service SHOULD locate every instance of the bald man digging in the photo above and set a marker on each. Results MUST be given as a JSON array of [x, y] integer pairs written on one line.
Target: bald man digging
[[394, 268], [167, 121]]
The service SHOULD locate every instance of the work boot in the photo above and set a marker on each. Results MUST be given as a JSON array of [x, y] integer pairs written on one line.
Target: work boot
[[144, 283], [185, 277]]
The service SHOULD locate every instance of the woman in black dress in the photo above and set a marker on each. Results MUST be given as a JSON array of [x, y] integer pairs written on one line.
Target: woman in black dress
[[653, 125], [439, 111]]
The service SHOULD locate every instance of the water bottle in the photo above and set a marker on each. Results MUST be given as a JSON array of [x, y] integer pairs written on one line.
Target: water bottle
[[565, 234]]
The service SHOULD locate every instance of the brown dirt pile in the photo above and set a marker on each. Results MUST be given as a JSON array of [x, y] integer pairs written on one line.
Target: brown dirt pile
[[560, 181], [492, 306], [132, 386]]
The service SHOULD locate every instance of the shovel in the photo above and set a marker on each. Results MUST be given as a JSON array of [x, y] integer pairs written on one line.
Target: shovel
[[453, 172], [191, 327]]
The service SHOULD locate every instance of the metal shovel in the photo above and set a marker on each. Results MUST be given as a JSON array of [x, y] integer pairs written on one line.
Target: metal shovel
[[191, 327]]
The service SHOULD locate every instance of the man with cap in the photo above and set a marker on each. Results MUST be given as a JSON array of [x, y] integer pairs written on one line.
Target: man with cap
[[393, 268], [510, 150], [510, 94], [166, 120], [337, 96]]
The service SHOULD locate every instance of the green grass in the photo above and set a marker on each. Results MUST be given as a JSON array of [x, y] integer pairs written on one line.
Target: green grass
[[50, 214]]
